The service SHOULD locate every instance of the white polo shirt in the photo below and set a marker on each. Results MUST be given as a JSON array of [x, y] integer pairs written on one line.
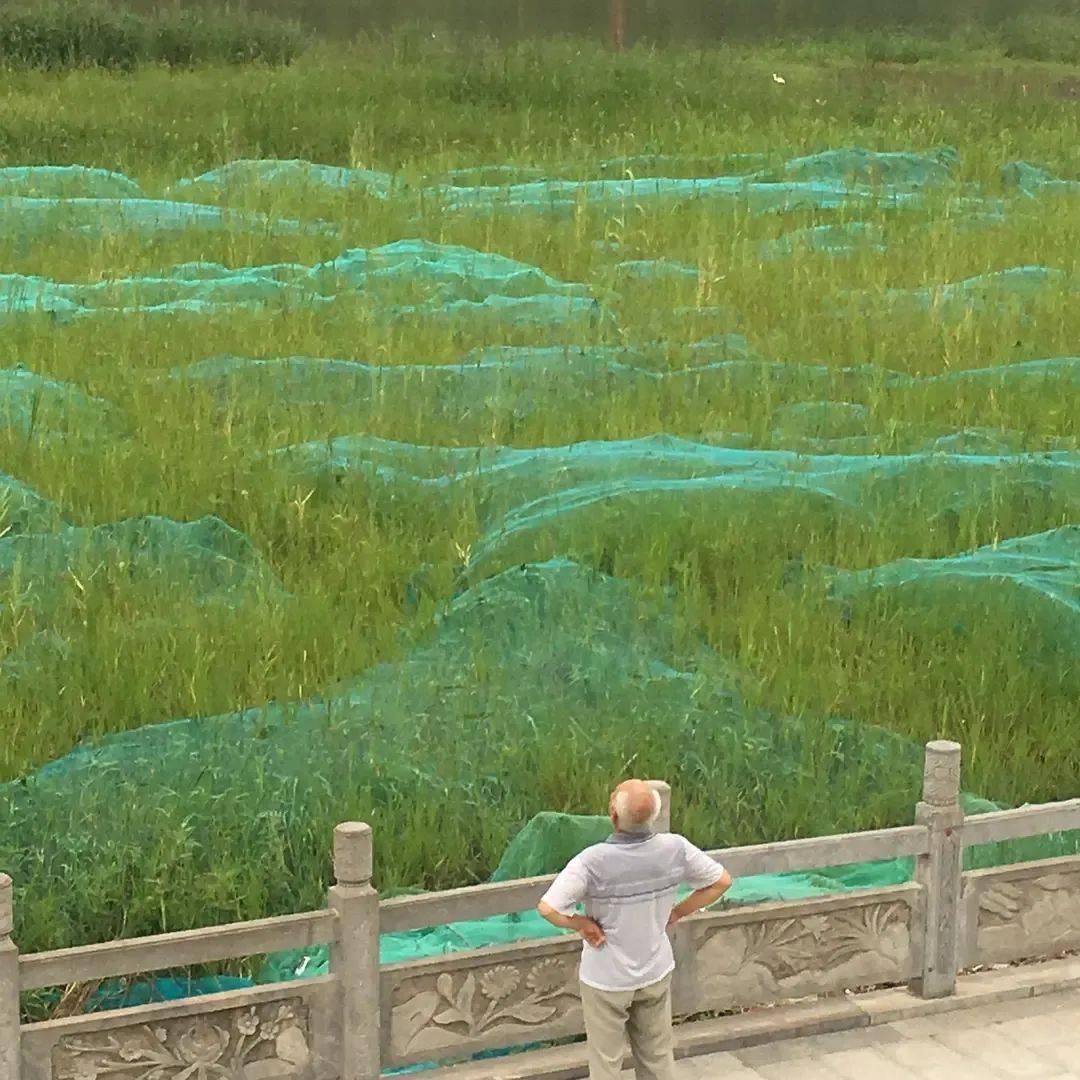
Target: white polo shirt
[[628, 884]]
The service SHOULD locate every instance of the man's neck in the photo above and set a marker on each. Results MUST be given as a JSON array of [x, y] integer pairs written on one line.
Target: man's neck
[[620, 837]]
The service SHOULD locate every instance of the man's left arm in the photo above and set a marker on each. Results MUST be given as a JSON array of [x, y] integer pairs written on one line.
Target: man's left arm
[[700, 898], [700, 868]]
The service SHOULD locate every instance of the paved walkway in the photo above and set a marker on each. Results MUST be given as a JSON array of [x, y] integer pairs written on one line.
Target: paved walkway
[[1036, 1038]]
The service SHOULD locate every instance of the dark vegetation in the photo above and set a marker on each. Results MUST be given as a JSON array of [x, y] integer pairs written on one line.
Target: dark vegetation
[[65, 34], [62, 34]]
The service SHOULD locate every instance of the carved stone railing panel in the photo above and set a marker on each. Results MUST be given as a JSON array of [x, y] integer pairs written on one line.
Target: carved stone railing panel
[[280, 1032], [773, 952], [460, 1004], [260, 1042], [451, 1007], [1021, 911]]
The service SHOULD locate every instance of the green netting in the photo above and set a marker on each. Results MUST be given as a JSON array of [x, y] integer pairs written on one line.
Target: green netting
[[28, 215], [756, 196], [506, 379], [986, 292], [38, 199], [737, 162], [66, 181], [826, 181], [513, 381], [506, 664], [435, 389], [23, 510], [821, 420], [192, 561], [861, 237], [550, 840], [247, 174], [491, 174], [57, 579], [448, 280], [1017, 281], [544, 846], [901, 168], [532, 642], [34, 407], [1033, 181], [851, 178], [849, 238], [1060, 371], [824, 496], [586, 497], [653, 270], [400, 733], [274, 174], [1029, 582], [43, 199]]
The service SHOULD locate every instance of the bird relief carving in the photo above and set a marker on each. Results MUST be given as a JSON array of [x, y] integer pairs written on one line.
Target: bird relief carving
[[1038, 912], [804, 953]]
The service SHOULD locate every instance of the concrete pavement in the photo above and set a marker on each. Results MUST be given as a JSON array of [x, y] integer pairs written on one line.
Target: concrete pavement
[[1029, 1039]]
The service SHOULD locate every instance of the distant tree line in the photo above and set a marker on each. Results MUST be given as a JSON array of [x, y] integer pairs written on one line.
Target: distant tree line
[[672, 19]]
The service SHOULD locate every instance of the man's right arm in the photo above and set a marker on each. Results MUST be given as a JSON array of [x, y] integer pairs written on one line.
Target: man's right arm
[[566, 892], [588, 928]]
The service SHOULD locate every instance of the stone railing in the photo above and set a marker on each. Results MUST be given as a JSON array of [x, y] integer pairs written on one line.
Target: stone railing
[[362, 1018]]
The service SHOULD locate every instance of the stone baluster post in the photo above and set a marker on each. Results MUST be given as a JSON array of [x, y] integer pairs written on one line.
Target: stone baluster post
[[684, 993], [663, 822], [940, 871], [354, 955], [10, 1049]]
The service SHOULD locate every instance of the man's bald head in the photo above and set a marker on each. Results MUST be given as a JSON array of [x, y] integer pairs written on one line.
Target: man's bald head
[[635, 806]]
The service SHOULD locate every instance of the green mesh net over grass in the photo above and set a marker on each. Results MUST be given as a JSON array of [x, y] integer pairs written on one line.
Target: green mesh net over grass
[[507, 663], [536, 649], [443, 279]]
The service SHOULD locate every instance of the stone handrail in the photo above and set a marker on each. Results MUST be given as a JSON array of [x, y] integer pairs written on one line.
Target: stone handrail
[[362, 1018], [454, 905], [1023, 822], [818, 852], [507, 897], [130, 956]]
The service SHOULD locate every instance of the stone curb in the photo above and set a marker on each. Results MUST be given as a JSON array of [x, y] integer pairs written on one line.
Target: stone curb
[[794, 1021]]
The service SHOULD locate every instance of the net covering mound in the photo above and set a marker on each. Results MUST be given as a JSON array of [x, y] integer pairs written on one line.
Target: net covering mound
[[546, 641]]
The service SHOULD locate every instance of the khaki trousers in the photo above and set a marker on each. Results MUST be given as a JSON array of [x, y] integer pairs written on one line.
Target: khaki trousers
[[643, 1015]]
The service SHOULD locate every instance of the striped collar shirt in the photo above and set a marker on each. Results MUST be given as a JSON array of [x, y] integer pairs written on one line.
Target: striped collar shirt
[[628, 884]]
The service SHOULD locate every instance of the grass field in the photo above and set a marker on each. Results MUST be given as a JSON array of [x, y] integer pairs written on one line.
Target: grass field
[[415, 106]]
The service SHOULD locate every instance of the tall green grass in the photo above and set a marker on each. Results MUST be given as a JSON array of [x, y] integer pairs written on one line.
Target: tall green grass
[[420, 106], [64, 34]]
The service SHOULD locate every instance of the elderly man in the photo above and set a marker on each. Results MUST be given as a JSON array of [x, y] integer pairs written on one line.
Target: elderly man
[[628, 885]]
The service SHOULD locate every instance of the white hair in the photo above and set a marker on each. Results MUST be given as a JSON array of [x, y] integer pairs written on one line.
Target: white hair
[[626, 818]]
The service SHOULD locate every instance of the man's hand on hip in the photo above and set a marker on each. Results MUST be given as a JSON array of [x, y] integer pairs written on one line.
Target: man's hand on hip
[[590, 930], [700, 898]]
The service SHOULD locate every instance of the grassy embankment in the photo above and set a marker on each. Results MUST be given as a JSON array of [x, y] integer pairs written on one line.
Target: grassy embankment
[[416, 107]]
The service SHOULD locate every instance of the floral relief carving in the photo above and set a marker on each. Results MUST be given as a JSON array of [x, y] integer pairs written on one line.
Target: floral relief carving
[[1029, 915], [262, 1042], [757, 961], [455, 1007]]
